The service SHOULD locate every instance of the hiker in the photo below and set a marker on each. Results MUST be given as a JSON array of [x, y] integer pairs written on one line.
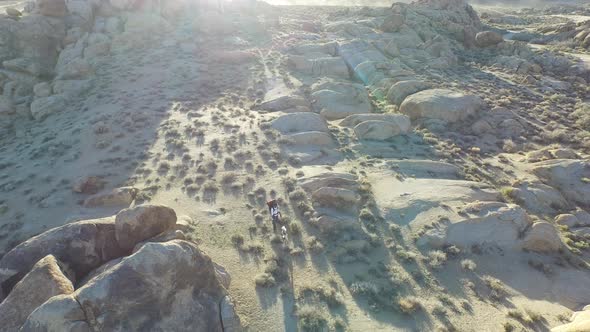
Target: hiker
[[273, 209]]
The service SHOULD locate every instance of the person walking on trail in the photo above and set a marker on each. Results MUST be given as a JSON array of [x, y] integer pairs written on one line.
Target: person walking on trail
[[275, 214]]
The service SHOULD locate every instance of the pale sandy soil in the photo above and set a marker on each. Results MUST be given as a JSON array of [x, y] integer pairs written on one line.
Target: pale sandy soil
[[152, 103]]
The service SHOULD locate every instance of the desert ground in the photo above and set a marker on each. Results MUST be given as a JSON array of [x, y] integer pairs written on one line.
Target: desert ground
[[430, 160]]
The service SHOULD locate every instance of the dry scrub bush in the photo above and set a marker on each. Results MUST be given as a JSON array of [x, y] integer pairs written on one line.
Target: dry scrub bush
[[210, 187], [237, 240], [314, 244], [437, 259], [298, 195], [409, 305], [265, 280], [468, 264], [312, 319], [329, 295], [228, 178], [582, 116]]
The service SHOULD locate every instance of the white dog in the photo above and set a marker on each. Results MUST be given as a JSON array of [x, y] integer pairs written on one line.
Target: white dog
[[284, 233]]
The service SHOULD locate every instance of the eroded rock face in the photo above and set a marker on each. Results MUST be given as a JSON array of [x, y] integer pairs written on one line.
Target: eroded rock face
[[300, 122], [44, 281], [441, 104], [88, 185], [142, 222], [123, 196], [342, 180], [330, 67], [337, 100], [580, 321], [310, 138], [400, 90], [334, 224], [393, 23], [338, 198], [83, 246], [163, 286], [487, 224], [315, 50], [55, 8], [230, 321], [285, 104], [382, 130], [567, 176], [542, 237], [488, 38], [539, 198], [41, 108]]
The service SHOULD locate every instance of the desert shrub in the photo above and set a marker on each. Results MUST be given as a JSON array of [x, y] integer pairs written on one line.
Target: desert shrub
[[228, 178], [210, 187], [582, 116], [302, 207], [405, 255], [295, 228], [366, 215], [409, 305], [329, 295], [214, 144], [275, 239], [314, 244], [298, 195], [237, 240], [497, 288], [289, 184], [439, 311], [452, 251], [339, 324], [468, 264], [508, 194], [297, 251], [311, 319], [534, 317], [437, 259], [365, 288], [508, 327], [255, 247], [395, 229], [265, 280], [258, 217], [519, 316]]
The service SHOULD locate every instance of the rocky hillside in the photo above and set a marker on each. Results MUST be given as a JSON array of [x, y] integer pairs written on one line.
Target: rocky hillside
[[426, 169]]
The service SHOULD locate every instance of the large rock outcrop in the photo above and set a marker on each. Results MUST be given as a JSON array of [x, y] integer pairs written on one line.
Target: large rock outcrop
[[542, 237], [390, 126], [123, 196], [163, 286], [488, 38], [400, 90], [486, 224], [441, 104], [299, 122], [83, 246], [569, 176], [580, 321], [142, 222], [45, 281], [337, 100]]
